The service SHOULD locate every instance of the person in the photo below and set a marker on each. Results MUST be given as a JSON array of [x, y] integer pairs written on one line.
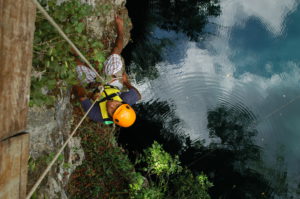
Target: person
[[114, 106]]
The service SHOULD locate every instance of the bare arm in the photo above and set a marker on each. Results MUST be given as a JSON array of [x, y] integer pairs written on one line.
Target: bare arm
[[129, 86], [119, 41]]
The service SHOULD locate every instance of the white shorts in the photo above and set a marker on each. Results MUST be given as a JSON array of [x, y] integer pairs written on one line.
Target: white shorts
[[113, 64], [85, 74]]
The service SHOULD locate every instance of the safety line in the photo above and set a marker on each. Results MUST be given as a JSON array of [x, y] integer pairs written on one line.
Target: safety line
[[278, 109], [33, 189], [50, 19]]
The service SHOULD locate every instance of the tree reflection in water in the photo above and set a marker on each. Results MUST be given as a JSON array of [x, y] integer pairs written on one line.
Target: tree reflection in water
[[147, 49], [232, 160], [187, 16]]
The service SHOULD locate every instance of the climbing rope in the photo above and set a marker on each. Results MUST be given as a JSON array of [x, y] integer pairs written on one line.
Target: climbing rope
[[277, 110], [51, 20], [33, 189]]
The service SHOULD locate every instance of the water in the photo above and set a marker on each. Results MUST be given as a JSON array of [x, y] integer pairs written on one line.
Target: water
[[240, 76]]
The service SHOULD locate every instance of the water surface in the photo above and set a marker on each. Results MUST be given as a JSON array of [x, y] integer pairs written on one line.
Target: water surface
[[240, 74]]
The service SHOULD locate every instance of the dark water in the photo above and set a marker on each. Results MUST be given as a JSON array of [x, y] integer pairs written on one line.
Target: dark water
[[221, 88]]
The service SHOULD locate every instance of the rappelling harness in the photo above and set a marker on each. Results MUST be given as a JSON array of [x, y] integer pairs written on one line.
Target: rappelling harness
[[109, 93]]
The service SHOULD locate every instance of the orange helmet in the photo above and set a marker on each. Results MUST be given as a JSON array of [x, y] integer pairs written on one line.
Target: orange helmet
[[124, 116]]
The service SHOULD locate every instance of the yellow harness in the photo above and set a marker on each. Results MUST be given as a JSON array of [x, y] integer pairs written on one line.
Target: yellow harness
[[109, 93]]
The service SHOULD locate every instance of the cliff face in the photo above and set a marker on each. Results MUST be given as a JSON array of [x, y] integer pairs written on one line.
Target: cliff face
[[50, 127], [102, 26]]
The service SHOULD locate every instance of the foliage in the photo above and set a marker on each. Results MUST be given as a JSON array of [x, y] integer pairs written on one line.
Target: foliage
[[167, 178], [189, 186], [139, 190], [53, 63], [106, 170], [108, 173], [160, 162], [233, 159], [38, 165]]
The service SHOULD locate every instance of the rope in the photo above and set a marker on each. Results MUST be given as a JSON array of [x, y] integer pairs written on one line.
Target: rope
[[50, 19], [278, 109], [33, 189]]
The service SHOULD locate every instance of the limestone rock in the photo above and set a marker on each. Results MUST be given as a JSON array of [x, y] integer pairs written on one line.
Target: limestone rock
[[50, 127], [103, 27]]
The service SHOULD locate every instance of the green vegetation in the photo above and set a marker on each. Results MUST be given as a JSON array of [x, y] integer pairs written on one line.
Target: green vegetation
[[106, 170], [53, 64], [108, 173], [167, 178], [38, 165]]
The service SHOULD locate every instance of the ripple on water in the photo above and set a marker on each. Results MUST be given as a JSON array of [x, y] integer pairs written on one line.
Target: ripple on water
[[199, 92]]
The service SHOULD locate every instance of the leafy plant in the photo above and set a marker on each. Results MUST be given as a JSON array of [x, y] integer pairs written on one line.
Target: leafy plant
[[160, 162], [106, 171], [187, 185], [166, 178], [53, 62]]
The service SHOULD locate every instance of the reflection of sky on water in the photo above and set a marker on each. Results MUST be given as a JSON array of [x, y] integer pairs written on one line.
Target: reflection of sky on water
[[252, 64]]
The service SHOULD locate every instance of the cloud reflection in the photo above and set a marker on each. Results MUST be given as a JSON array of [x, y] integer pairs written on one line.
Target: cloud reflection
[[206, 76], [272, 13]]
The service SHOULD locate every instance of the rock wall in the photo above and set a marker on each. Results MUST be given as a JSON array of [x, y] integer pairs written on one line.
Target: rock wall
[[50, 127], [103, 25]]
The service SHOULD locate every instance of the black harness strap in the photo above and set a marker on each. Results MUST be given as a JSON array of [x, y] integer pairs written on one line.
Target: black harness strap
[[108, 97]]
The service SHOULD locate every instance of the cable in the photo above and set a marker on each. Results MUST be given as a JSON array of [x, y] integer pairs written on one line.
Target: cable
[[50, 19], [277, 109], [33, 189]]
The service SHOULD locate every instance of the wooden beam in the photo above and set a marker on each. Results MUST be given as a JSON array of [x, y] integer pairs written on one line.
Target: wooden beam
[[13, 167], [17, 19]]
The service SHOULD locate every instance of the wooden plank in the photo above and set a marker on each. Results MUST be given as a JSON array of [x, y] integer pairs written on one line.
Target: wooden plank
[[13, 167], [17, 19]]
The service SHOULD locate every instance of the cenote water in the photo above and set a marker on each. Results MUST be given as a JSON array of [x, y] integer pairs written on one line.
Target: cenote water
[[221, 89]]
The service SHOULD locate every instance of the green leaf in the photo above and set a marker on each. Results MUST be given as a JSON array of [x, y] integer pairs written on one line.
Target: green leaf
[[51, 84], [80, 27]]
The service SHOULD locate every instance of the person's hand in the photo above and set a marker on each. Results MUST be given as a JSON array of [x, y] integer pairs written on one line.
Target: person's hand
[[125, 78], [128, 84], [119, 23]]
